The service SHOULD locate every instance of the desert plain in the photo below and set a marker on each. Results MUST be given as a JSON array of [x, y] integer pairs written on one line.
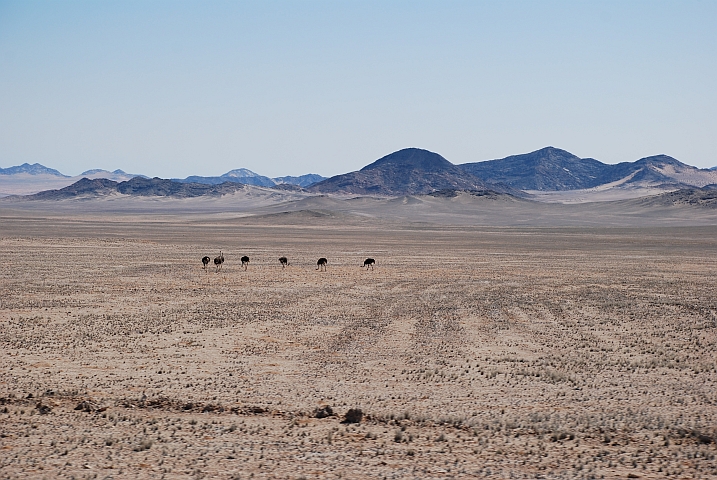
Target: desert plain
[[471, 351]]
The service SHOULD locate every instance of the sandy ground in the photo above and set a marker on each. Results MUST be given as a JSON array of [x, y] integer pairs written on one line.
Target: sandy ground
[[471, 352], [603, 193], [270, 206]]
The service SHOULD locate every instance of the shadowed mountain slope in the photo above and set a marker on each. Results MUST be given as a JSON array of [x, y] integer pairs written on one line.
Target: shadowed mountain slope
[[410, 171]]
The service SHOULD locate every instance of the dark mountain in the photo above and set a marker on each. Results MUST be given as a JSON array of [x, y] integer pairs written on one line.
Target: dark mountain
[[158, 187], [85, 187], [555, 169], [35, 169], [137, 186], [410, 171], [545, 169]]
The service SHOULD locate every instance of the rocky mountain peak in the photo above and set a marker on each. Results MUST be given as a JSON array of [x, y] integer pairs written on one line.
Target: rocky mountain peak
[[413, 159]]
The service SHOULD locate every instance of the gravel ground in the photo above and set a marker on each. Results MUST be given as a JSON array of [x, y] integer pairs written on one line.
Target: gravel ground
[[471, 352]]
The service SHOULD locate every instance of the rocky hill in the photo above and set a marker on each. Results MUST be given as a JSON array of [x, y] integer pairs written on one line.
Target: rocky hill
[[701, 197], [411, 171], [137, 186]]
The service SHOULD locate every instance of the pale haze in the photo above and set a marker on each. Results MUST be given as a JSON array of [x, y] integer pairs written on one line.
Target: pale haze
[[173, 89]]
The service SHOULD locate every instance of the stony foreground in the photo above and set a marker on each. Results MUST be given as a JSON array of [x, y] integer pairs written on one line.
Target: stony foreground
[[472, 353]]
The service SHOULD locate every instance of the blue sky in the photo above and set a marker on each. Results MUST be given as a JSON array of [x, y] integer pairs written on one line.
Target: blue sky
[[289, 87]]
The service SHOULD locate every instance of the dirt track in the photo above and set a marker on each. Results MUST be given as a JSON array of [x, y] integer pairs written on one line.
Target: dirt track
[[472, 352]]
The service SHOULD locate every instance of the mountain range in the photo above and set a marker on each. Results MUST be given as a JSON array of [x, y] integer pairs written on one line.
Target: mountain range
[[29, 179], [247, 177], [414, 171], [555, 169]]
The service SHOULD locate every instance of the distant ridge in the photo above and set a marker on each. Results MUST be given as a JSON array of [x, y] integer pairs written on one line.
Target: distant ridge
[[95, 171], [137, 186], [301, 180], [247, 177], [411, 171], [234, 176], [34, 169]]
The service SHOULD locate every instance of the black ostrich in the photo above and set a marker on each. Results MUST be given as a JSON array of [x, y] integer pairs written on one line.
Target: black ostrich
[[283, 261], [321, 264], [218, 261], [205, 261], [369, 262], [244, 261]]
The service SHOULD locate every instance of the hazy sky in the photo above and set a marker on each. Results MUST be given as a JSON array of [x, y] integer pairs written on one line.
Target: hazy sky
[[290, 87]]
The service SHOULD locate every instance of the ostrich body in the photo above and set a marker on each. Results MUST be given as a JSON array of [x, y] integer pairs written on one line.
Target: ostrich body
[[369, 262], [283, 261], [244, 261], [218, 261], [205, 261], [321, 264]]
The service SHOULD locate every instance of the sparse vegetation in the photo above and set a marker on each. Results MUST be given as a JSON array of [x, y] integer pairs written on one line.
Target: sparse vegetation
[[506, 351]]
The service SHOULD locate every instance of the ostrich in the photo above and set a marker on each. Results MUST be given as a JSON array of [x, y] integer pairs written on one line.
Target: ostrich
[[218, 261], [283, 261], [369, 262], [244, 261], [205, 261], [321, 263]]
